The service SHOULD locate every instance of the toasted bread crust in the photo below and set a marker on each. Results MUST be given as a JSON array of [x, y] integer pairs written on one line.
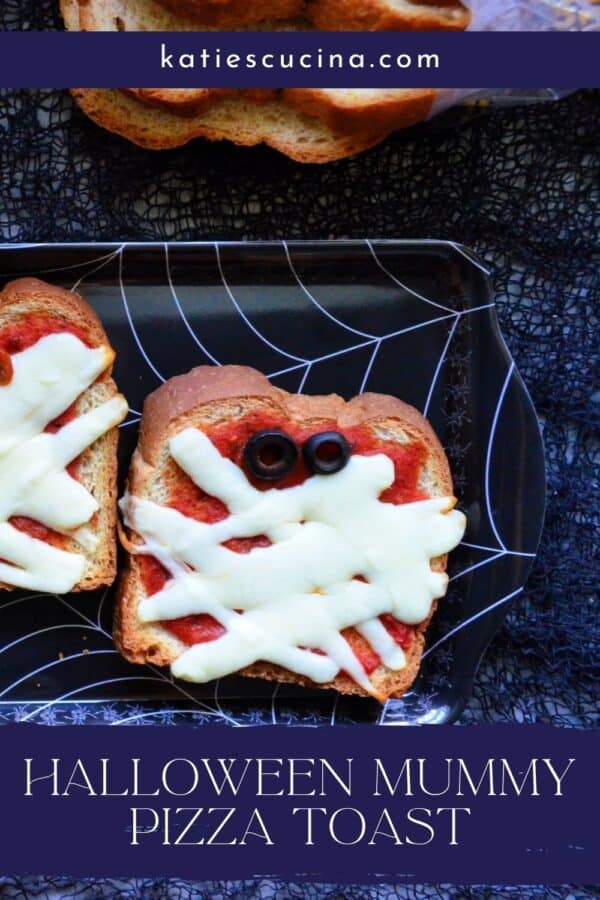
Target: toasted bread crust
[[210, 396], [33, 295]]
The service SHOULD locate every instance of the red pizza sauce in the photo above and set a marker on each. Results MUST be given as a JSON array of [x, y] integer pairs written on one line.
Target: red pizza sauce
[[15, 339], [230, 440], [38, 531], [67, 416], [32, 328]]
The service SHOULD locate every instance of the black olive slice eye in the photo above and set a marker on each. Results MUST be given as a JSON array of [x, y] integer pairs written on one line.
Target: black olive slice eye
[[326, 453], [270, 455]]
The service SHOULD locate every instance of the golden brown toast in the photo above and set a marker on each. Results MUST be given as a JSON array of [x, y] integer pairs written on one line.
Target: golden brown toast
[[214, 400], [30, 303]]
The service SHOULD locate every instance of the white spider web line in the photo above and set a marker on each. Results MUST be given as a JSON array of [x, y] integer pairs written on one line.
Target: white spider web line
[[162, 676], [471, 259], [56, 662], [101, 609], [104, 261], [438, 368], [218, 706], [319, 359], [336, 700], [18, 600], [130, 422], [495, 549], [369, 367], [199, 703], [385, 337], [245, 318], [471, 619], [136, 337], [304, 378], [316, 303], [273, 698], [32, 634], [184, 318], [497, 552], [489, 453], [30, 274], [484, 562], [382, 714], [404, 286]]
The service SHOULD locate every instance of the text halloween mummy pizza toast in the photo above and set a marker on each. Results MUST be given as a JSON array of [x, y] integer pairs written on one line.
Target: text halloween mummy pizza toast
[[287, 537], [59, 409]]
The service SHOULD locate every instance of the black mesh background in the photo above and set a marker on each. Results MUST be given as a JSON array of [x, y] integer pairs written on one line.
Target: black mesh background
[[519, 185]]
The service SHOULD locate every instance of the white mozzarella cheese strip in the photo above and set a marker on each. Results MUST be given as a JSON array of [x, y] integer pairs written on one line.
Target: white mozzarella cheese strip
[[47, 379], [35, 565], [382, 643], [298, 594]]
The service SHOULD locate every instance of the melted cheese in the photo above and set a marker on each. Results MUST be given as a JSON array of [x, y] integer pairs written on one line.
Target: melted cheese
[[300, 592], [47, 379]]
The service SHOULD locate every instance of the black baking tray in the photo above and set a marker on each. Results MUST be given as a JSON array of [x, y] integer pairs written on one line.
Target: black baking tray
[[411, 318]]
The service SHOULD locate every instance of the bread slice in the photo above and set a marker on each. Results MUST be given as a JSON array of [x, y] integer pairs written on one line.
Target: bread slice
[[208, 397], [238, 119], [97, 466]]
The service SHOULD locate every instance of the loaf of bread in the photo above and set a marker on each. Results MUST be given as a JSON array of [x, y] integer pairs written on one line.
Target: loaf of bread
[[59, 409], [287, 537]]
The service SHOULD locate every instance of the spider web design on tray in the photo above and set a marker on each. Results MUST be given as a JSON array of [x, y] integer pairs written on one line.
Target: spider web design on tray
[[363, 351]]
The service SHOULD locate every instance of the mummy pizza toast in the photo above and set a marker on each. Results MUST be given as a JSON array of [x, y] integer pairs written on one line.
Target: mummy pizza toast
[[58, 410], [280, 536]]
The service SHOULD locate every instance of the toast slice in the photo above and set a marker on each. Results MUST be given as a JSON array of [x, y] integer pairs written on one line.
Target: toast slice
[[228, 406], [238, 119], [58, 464]]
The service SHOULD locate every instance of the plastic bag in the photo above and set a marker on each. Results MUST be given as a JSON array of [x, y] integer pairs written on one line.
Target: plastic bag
[[534, 15], [521, 15]]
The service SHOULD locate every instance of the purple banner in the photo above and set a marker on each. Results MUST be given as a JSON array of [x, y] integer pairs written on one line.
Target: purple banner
[[504, 804], [300, 59]]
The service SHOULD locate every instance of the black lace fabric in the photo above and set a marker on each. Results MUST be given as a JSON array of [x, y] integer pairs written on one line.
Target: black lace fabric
[[521, 186]]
